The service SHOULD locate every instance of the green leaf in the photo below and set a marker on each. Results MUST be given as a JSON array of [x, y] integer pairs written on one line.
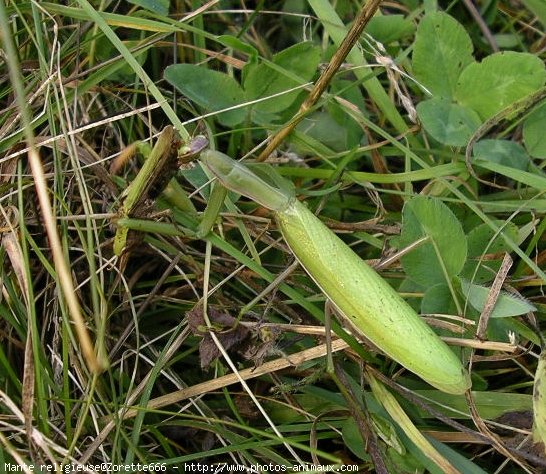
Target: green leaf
[[533, 132], [504, 152], [499, 329], [482, 240], [161, 7], [389, 28], [507, 305], [323, 127], [443, 256], [237, 44], [490, 404], [446, 122], [498, 81], [442, 49], [210, 89], [353, 439], [262, 80], [438, 300]]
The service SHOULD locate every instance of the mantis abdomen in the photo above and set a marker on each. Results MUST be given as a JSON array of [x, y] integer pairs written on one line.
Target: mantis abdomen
[[369, 303]]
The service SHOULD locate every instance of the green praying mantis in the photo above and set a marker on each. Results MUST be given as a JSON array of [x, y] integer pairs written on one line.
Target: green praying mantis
[[370, 305], [361, 296]]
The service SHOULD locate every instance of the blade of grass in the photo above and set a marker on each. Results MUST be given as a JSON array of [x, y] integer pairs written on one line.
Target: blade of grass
[[135, 65], [65, 277], [336, 30], [448, 169], [533, 180], [385, 398], [344, 48]]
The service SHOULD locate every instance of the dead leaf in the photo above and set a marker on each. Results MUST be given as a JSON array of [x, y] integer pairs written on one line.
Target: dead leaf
[[227, 329]]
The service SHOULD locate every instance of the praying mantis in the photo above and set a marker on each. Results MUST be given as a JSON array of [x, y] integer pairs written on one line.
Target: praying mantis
[[358, 293], [364, 300]]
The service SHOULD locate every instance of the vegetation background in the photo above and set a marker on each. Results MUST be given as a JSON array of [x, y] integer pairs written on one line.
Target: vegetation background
[[425, 153]]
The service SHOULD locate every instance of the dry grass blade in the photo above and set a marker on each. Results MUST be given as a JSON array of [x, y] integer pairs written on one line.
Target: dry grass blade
[[210, 386], [483, 345], [96, 364], [493, 295], [246, 374], [46, 445], [452, 341], [13, 250], [493, 438], [131, 398]]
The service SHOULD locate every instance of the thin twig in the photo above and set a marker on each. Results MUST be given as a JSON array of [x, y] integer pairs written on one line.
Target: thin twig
[[363, 421], [230, 379], [482, 25], [366, 13], [493, 296]]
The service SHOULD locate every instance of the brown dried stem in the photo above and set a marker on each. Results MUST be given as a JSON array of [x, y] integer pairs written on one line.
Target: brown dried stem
[[366, 13]]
